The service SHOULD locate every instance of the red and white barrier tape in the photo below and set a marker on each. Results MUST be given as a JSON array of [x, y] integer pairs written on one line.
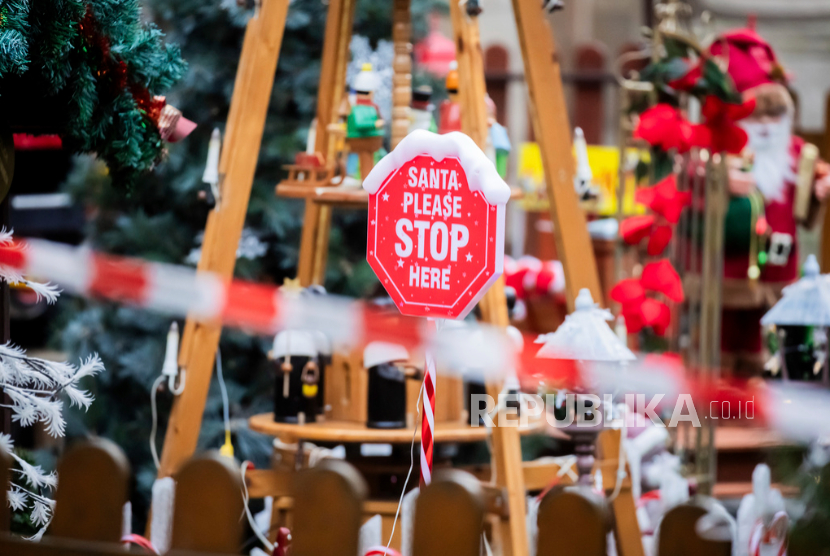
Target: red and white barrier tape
[[180, 291]]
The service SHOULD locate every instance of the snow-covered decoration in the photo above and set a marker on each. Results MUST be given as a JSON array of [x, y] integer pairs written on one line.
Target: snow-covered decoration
[[381, 60], [759, 513], [805, 303], [35, 388], [481, 174], [585, 336], [46, 291], [30, 499]]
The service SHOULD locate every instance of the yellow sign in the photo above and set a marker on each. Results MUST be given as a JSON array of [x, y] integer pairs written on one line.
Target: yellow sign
[[605, 164]]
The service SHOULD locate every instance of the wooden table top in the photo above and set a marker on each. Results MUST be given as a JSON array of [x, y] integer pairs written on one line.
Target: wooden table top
[[347, 196], [340, 431]]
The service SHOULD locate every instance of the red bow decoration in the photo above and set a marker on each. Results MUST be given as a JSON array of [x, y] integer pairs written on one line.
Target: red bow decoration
[[663, 126], [634, 228], [628, 292], [649, 312], [664, 198], [660, 276], [638, 310], [688, 81], [660, 238], [720, 133]]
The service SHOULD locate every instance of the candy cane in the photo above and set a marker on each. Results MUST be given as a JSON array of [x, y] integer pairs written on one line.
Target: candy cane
[[428, 418]]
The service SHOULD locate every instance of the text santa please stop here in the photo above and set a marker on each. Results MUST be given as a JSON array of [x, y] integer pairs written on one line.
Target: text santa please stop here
[[444, 239]]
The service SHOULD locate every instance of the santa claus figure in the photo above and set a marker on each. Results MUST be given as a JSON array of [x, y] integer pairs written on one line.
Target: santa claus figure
[[761, 249]]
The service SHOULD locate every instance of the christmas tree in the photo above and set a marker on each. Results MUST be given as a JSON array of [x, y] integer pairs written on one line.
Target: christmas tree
[[91, 72], [162, 217]]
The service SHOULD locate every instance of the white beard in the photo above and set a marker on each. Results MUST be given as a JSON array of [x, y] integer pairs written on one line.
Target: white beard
[[772, 164]]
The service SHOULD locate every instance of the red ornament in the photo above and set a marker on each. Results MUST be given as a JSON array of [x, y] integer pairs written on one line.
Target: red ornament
[[660, 238], [719, 133], [634, 228], [660, 276], [663, 126], [436, 224], [664, 198]]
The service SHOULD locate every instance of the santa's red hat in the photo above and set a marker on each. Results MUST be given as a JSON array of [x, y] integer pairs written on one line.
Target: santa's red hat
[[752, 61], [756, 71]]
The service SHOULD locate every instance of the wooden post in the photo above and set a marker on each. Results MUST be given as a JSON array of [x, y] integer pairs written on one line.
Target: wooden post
[[243, 136], [552, 131], [626, 528], [314, 241], [507, 452], [402, 65], [5, 479]]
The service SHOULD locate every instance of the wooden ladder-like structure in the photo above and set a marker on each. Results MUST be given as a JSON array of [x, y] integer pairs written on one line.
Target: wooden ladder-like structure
[[243, 135]]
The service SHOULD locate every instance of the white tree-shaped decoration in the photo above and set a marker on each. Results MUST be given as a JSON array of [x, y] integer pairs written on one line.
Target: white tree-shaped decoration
[[36, 388]]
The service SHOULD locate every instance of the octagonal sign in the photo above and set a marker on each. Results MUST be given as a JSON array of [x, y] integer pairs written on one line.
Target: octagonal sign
[[436, 224]]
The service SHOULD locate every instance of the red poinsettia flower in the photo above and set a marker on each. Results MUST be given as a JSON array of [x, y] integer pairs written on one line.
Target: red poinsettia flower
[[689, 79], [660, 276], [719, 133], [660, 238], [634, 228], [664, 198], [663, 126]]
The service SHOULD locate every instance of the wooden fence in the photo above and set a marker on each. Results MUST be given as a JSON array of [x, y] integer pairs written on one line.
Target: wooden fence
[[327, 512]]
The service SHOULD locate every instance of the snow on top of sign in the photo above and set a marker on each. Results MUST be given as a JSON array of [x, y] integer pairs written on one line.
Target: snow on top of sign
[[481, 173]]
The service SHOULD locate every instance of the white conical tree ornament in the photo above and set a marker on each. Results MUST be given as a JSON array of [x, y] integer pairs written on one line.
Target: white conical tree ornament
[[804, 303], [585, 335]]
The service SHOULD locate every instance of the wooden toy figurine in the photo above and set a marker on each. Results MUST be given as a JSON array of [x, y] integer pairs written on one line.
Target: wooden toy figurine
[[297, 378], [449, 118], [421, 109], [364, 126], [388, 370]]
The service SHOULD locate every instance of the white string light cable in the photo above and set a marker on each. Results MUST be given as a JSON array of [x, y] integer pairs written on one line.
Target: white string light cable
[[227, 448], [265, 542], [411, 466]]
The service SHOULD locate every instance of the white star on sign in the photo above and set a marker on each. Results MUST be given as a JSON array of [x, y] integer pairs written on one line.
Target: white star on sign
[[469, 257], [400, 263], [386, 196]]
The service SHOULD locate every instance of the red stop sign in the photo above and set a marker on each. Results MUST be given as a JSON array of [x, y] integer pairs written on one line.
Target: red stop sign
[[436, 224]]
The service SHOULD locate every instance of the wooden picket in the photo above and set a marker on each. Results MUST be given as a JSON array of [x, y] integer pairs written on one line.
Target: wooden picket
[[572, 522], [328, 504], [679, 538], [327, 512], [449, 516]]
